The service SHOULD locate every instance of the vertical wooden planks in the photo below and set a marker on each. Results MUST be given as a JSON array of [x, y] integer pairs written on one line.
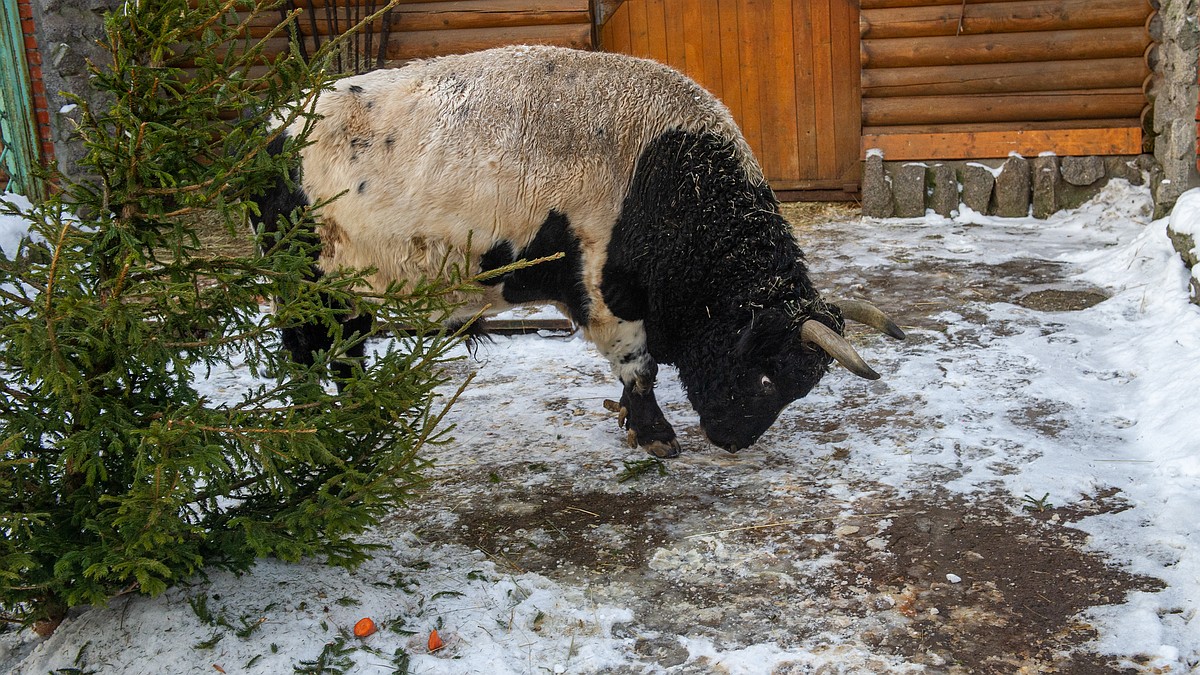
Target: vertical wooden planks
[[639, 35], [752, 23], [778, 78], [614, 34], [677, 36], [804, 90], [710, 39], [846, 86], [656, 30], [822, 84], [731, 73], [693, 48], [787, 70]]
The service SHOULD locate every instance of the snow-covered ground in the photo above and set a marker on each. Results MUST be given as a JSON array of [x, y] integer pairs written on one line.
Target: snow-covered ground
[[529, 555]]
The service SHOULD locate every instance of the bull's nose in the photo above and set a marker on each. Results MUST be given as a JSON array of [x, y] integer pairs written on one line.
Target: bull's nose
[[726, 445]]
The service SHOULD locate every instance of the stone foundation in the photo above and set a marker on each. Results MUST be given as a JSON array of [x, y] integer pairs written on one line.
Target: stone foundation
[[1013, 187]]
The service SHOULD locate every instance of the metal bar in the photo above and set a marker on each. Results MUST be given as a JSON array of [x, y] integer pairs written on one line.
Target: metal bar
[[511, 326]]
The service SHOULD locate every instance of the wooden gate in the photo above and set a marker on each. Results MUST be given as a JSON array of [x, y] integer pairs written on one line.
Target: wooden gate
[[787, 69]]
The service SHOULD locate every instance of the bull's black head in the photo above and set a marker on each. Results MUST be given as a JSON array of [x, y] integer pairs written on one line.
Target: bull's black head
[[778, 357]]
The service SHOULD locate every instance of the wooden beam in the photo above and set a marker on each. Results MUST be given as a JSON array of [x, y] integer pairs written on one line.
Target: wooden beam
[[1056, 125], [990, 78], [998, 144], [886, 4], [829, 186], [614, 33], [1001, 17], [426, 44], [1020, 107], [443, 16], [787, 195], [1005, 48]]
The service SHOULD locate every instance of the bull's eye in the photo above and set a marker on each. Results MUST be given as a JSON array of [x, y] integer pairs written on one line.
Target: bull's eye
[[767, 386]]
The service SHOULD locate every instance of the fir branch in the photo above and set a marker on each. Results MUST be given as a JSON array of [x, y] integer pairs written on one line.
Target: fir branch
[[215, 342], [237, 431], [24, 302], [51, 275]]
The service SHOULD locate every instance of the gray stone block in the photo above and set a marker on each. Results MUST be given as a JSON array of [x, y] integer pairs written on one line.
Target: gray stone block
[[977, 184], [1082, 170], [1175, 149], [1046, 181], [876, 189], [1185, 245], [943, 190], [908, 189], [1011, 196], [1129, 168], [1073, 196]]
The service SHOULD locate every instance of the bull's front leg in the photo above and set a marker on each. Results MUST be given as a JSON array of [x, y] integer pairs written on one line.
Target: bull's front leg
[[625, 347], [640, 414]]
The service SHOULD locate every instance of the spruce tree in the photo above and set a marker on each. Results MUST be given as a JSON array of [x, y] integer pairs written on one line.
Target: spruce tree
[[117, 473]]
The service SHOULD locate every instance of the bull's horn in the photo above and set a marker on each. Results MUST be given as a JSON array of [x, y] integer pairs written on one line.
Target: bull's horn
[[837, 347], [869, 315]]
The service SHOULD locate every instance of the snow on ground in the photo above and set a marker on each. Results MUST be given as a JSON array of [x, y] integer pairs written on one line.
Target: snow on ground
[[991, 395]]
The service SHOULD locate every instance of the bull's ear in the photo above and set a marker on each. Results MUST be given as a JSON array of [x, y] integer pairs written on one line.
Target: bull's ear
[[766, 335]]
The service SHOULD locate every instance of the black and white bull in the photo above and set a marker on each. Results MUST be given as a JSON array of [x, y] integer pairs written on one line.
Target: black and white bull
[[675, 249]]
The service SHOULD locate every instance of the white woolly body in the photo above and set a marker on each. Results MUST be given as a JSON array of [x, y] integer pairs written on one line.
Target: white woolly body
[[481, 147]]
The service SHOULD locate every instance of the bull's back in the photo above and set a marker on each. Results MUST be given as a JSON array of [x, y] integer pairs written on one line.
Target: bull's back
[[482, 147]]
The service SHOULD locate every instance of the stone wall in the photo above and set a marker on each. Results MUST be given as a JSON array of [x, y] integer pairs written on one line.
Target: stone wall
[[67, 34], [1173, 99], [1013, 187]]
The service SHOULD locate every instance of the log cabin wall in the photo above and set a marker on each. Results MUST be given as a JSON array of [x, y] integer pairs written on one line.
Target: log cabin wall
[[435, 28], [948, 79]]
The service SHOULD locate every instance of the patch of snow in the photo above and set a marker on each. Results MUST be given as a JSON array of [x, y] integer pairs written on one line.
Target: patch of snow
[[994, 170], [1185, 217], [13, 228]]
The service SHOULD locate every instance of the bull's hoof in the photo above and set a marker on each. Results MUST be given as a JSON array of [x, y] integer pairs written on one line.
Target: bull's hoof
[[663, 449], [658, 439]]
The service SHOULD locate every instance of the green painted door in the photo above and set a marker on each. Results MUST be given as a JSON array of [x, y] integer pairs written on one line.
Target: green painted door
[[19, 147]]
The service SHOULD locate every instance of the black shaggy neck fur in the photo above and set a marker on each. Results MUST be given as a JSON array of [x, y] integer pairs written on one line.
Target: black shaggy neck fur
[[702, 255]]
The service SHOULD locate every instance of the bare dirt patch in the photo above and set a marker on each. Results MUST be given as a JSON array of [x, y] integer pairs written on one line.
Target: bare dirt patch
[[1057, 300], [544, 532], [991, 590], [878, 574]]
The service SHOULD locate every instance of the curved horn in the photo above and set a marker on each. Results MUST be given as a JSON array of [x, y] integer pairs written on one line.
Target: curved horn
[[837, 347], [869, 315]]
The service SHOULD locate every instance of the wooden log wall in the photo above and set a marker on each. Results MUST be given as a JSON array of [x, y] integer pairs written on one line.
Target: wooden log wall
[[435, 27], [948, 79]]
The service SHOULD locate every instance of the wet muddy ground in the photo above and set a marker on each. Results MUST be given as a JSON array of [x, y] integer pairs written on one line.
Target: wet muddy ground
[[796, 542]]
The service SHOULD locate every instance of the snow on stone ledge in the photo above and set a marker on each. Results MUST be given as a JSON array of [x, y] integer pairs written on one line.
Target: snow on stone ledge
[[1185, 217], [1184, 227]]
